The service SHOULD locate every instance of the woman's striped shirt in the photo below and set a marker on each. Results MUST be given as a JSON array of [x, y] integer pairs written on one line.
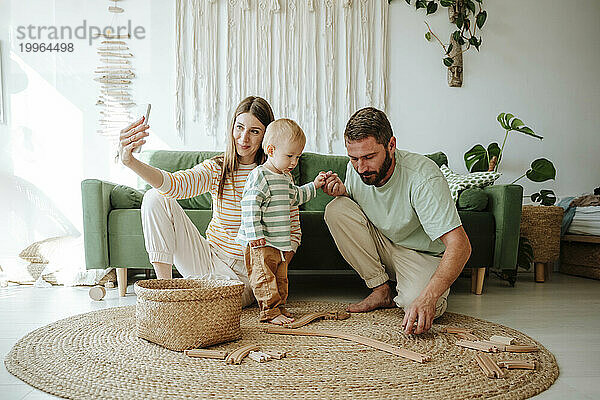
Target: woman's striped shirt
[[224, 225]]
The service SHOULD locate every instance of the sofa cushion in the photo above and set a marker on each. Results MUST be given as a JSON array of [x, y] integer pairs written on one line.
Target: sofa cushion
[[472, 199], [125, 233], [122, 196], [172, 161]]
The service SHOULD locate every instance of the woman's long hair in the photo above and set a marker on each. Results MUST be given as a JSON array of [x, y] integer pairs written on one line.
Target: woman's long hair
[[261, 110]]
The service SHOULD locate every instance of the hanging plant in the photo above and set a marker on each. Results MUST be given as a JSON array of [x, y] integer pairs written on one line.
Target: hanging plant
[[467, 16]]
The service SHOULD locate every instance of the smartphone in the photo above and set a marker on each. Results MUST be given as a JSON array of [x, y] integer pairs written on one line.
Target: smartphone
[[146, 117]]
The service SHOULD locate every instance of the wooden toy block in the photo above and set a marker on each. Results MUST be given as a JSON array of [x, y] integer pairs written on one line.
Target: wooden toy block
[[411, 355], [259, 356], [502, 339], [203, 353], [278, 355]]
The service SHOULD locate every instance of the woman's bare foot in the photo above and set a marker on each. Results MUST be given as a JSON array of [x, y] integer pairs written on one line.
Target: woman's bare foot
[[281, 320], [381, 297]]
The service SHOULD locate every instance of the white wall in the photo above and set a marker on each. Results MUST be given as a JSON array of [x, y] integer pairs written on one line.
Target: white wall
[[538, 60]]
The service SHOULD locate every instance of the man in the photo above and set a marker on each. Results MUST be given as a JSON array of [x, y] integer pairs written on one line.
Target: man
[[392, 219]]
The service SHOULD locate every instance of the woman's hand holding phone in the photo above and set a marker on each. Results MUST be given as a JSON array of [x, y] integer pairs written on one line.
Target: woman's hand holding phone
[[132, 138]]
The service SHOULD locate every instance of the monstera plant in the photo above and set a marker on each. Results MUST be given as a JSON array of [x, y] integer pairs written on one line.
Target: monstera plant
[[480, 158]]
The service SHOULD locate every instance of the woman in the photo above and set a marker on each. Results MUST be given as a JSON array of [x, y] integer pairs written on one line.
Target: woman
[[169, 234]]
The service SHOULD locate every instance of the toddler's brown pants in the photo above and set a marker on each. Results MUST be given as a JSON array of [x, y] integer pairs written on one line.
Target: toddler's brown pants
[[267, 271]]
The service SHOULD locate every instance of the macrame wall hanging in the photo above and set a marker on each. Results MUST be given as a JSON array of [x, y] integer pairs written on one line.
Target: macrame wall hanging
[[315, 61], [115, 75]]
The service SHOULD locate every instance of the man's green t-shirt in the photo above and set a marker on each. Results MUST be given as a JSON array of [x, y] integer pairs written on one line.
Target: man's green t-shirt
[[413, 208]]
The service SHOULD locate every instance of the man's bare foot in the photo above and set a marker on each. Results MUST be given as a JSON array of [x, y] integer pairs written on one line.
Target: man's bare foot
[[381, 297], [281, 320]]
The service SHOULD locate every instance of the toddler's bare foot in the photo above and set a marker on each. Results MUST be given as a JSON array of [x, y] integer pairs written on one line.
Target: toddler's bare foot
[[285, 312], [381, 297], [281, 320]]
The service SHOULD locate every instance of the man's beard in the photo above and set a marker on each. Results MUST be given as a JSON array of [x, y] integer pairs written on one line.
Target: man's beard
[[375, 177]]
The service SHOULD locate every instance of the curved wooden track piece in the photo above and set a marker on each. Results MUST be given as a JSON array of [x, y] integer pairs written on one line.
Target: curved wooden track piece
[[519, 348], [488, 366], [308, 318], [411, 355], [236, 356]]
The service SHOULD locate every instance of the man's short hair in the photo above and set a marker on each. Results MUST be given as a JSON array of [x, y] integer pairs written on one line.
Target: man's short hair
[[281, 131], [367, 122]]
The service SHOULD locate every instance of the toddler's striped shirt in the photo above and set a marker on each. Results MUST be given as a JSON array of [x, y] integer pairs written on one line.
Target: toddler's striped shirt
[[267, 204]]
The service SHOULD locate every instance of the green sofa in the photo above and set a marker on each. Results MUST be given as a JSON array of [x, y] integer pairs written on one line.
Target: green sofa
[[113, 230]]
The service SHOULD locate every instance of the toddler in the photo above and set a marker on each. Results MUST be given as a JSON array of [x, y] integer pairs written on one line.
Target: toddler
[[265, 231]]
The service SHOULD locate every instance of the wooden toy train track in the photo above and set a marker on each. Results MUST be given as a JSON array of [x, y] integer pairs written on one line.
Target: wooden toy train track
[[411, 355]]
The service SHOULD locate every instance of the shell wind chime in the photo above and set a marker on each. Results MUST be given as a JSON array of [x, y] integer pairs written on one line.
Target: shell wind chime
[[115, 75]]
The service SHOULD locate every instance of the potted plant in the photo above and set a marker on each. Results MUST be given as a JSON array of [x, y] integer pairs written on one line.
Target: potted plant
[[540, 231]]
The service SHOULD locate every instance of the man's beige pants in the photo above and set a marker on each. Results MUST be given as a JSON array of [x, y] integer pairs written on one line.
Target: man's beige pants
[[172, 238], [267, 270], [375, 258]]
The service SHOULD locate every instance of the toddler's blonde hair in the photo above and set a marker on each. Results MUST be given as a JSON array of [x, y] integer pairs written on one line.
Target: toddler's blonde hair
[[281, 131]]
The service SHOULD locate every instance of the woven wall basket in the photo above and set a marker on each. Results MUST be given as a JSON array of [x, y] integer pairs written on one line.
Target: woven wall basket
[[184, 314], [541, 225]]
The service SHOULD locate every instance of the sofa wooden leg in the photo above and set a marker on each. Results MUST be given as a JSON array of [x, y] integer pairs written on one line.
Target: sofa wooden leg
[[548, 270], [477, 277], [540, 272], [122, 280]]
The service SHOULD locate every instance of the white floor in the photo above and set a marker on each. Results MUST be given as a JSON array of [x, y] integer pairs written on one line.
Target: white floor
[[563, 314]]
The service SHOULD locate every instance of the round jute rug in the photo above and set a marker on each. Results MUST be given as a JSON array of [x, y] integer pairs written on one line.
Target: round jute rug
[[97, 355]]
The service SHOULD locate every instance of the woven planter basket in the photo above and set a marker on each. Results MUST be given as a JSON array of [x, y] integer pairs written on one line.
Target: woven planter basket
[[182, 314], [541, 225]]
